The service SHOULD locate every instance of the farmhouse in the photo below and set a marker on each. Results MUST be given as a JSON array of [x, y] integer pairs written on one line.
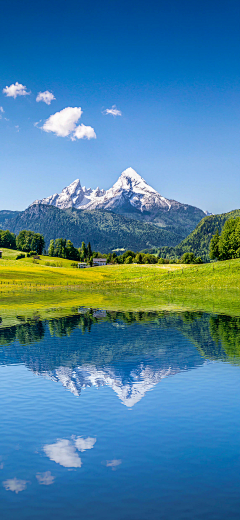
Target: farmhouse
[[96, 263], [82, 265], [99, 261]]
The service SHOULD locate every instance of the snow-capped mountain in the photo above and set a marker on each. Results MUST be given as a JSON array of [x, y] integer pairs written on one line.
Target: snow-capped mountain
[[130, 194], [142, 379], [73, 196]]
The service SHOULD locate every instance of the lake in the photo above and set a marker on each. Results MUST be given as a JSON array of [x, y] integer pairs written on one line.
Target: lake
[[124, 416]]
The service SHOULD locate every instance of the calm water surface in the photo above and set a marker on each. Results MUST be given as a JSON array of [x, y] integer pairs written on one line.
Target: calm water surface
[[125, 416]]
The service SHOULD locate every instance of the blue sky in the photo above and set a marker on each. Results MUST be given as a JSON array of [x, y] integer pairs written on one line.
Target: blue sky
[[170, 67]]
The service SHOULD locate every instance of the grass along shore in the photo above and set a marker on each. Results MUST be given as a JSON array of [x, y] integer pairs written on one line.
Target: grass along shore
[[54, 284]]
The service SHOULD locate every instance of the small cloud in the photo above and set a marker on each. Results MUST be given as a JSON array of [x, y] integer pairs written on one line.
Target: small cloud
[[6, 119], [46, 97], [63, 452], [113, 463], [64, 123], [15, 90], [83, 132], [14, 484], [37, 123], [1, 112], [84, 444], [1, 465], [113, 111], [17, 127], [45, 479]]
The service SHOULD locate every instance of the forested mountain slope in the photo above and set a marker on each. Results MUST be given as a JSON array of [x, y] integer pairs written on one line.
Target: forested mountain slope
[[104, 229], [198, 241]]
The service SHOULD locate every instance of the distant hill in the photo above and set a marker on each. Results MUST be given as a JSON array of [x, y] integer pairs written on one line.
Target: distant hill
[[198, 241], [6, 216], [104, 229]]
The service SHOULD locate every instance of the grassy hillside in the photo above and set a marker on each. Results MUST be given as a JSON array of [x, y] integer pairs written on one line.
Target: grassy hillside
[[198, 241], [105, 230], [28, 288]]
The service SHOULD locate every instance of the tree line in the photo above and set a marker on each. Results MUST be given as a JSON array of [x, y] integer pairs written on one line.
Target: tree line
[[34, 243], [26, 241], [62, 248], [226, 245]]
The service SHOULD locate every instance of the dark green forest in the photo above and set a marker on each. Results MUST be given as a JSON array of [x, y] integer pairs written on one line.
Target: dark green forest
[[198, 242], [105, 230]]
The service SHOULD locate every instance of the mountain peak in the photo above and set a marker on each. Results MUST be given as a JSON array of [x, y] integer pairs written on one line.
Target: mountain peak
[[131, 196], [130, 180], [73, 188], [132, 174], [75, 183]]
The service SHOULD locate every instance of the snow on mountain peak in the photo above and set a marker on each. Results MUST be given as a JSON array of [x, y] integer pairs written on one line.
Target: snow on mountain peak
[[131, 180], [130, 190], [132, 174]]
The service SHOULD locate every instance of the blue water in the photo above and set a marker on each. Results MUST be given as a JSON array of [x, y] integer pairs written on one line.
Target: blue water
[[128, 417]]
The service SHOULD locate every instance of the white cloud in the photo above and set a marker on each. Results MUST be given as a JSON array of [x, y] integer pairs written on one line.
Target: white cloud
[[63, 452], [82, 132], [46, 96], [17, 127], [14, 484], [45, 479], [1, 110], [64, 123], [16, 90], [84, 444], [113, 111], [113, 463]]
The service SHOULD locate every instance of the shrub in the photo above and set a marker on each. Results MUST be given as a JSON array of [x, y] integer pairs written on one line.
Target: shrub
[[50, 264], [190, 258], [18, 257]]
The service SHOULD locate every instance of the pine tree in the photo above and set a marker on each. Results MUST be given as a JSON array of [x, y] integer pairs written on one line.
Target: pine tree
[[89, 250], [51, 248], [84, 251], [214, 246]]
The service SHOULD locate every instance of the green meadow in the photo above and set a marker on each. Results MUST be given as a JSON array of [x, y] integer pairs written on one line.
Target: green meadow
[[51, 285]]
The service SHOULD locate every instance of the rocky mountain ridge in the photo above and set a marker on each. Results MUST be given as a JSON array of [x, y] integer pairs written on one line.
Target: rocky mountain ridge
[[130, 196]]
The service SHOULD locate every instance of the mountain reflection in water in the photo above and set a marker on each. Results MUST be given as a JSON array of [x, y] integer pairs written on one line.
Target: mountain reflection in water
[[129, 352], [148, 428]]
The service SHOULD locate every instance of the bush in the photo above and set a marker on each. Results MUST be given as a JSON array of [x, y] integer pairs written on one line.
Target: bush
[[164, 261], [129, 260], [18, 257], [74, 264], [190, 258]]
